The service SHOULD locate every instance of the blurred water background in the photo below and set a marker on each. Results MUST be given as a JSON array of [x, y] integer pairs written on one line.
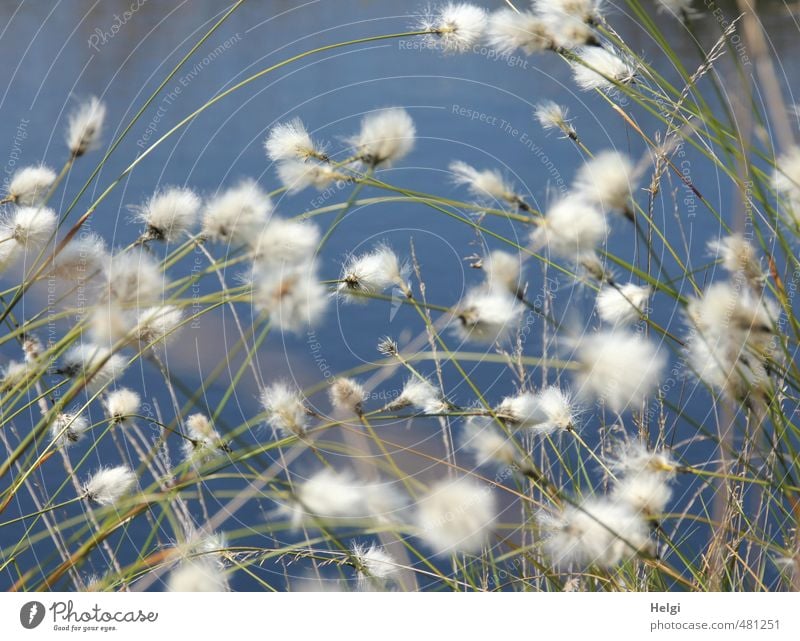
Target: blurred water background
[[471, 107]]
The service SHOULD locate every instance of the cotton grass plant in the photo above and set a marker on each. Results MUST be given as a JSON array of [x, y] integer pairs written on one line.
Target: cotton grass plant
[[589, 470]]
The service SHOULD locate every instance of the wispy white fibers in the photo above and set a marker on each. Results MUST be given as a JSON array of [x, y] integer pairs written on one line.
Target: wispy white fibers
[[596, 532], [81, 259], [786, 180], [286, 410], [109, 485], [98, 365], [599, 68], [375, 567], [588, 11], [292, 296], [86, 126], [733, 339], [25, 231], [456, 516], [457, 26], [618, 367], [290, 141], [607, 180], [509, 30], [487, 185], [30, 185], [69, 428], [632, 457], [371, 273], [169, 214], [483, 438], [347, 395], [487, 316], [503, 271], [542, 412], [238, 214], [420, 394], [551, 115], [385, 136], [572, 229], [739, 258], [121, 404], [158, 324], [297, 175], [198, 575], [325, 496], [133, 279], [282, 242], [622, 304], [203, 442]]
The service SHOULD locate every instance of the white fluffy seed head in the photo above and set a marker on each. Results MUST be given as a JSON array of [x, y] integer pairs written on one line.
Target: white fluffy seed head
[[133, 279], [420, 394], [158, 324], [487, 316], [607, 180], [327, 496], [623, 304], [385, 137], [597, 532], [727, 313], [69, 428], [121, 404], [644, 494], [457, 26], [286, 410], [738, 257], [204, 443], [483, 439], [568, 32], [599, 68], [371, 273], [347, 395], [283, 242], [485, 185], [297, 175], [14, 373], [109, 485], [85, 126], [93, 362], [503, 271], [786, 180], [632, 457], [30, 185], [555, 410], [619, 368], [509, 30], [198, 575], [292, 296], [291, 141], [571, 229], [543, 412], [375, 567], [456, 516], [169, 213], [584, 10], [28, 228], [551, 115], [238, 214], [734, 338], [83, 258]]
